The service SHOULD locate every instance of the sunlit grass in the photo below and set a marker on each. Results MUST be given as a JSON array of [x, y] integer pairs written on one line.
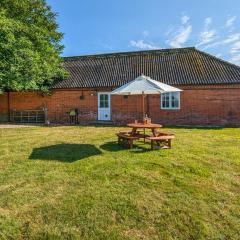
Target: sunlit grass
[[77, 183]]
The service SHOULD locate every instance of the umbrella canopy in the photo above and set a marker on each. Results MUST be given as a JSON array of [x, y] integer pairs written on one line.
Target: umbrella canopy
[[144, 85]]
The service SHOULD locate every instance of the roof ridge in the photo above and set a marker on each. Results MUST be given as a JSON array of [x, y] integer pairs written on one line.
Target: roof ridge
[[181, 66], [218, 59], [163, 50]]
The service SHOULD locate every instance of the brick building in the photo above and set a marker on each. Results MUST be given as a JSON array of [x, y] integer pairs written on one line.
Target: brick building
[[211, 89]]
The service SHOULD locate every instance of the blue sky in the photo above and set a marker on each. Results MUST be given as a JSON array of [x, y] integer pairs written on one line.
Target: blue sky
[[101, 26]]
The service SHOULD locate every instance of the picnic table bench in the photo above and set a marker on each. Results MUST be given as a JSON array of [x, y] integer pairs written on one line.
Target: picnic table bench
[[126, 139], [162, 138]]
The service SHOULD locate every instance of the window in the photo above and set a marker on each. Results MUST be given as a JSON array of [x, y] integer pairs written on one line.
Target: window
[[170, 100], [104, 101]]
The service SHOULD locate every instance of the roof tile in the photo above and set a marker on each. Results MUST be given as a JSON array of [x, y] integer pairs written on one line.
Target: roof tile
[[182, 66]]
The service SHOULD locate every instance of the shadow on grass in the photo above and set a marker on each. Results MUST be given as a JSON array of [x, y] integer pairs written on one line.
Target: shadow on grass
[[112, 147], [65, 152], [115, 147]]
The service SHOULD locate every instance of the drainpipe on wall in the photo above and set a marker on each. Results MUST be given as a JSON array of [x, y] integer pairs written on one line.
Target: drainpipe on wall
[[9, 116]]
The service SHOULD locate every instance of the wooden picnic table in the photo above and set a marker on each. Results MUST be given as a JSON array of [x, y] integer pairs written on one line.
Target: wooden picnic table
[[127, 137], [151, 126]]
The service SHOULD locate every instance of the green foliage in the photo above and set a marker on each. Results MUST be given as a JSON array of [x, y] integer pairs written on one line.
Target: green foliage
[[30, 46]]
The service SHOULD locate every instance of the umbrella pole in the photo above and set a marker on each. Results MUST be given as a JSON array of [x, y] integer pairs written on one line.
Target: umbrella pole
[[143, 109], [143, 105]]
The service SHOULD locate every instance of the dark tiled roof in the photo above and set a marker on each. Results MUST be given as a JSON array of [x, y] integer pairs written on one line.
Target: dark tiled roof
[[183, 66]]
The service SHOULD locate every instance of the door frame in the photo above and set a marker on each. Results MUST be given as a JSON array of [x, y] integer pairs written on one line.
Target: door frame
[[109, 105]]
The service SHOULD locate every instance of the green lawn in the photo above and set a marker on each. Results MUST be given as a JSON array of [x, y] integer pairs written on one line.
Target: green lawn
[[77, 183]]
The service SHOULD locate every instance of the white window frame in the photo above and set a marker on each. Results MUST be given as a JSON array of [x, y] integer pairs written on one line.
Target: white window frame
[[170, 101], [104, 101]]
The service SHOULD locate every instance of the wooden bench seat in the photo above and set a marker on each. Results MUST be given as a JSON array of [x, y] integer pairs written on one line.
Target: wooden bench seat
[[163, 139], [126, 139], [136, 134]]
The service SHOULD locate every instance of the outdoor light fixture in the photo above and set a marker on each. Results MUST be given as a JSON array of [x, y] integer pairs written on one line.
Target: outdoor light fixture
[[94, 93], [82, 96]]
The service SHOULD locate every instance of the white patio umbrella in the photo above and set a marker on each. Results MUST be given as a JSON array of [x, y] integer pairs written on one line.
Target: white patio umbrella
[[144, 85]]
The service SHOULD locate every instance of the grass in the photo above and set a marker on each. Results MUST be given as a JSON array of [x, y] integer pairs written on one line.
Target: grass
[[77, 183]]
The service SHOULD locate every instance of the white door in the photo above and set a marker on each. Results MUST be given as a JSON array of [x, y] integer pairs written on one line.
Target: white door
[[104, 108]]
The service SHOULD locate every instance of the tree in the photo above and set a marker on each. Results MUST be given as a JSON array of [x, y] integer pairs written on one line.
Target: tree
[[30, 46]]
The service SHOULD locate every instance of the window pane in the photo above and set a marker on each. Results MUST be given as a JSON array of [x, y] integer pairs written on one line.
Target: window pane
[[170, 100], [101, 103], [165, 100], [104, 101], [175, 100], [163, 104]]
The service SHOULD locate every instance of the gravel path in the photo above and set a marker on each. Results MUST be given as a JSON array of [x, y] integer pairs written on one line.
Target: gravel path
[[15, 125]]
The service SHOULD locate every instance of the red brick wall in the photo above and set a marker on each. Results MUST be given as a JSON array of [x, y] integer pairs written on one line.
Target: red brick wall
[[202, 107], [205, 105], [199, 106], [58, 104]]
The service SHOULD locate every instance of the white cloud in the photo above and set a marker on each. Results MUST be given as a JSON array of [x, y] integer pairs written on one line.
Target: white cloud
[[185, 19], [210, 39], [141, 44], [211, 45], [222, 38], [235, 52], [181, 37], [230, 21], [235, 59], [235, 47], [207, 35], [169, 31], [232, 38], [207, 22]]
